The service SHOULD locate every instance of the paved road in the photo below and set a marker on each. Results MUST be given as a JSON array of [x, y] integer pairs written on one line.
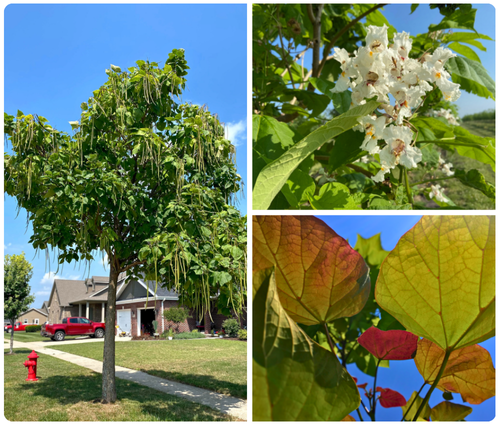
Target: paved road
[[230, 405]]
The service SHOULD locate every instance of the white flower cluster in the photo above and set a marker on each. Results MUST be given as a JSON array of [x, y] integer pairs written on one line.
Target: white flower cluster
[[385, 71], [446, 167], [446, 114], [437, 192]]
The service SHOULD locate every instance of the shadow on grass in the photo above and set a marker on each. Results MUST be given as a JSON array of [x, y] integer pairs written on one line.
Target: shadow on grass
[[70, 390], [202, 381]]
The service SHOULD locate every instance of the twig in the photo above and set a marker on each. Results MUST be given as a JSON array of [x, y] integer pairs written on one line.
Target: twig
[[415, 399], [407, 184], [434, 384], [285, 58], [316, 22], [359, 414], [374, 402], [328, 48], [329, 338]]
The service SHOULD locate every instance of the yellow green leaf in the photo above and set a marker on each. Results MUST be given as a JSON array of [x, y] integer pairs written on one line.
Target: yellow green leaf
[[439, 281], [469, 370], [320, 278], [450, 412], [412, 406], [294, 378]]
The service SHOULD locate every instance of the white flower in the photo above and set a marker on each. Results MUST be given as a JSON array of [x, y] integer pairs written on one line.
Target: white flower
[[398, 149], [374, 130], [441, 160], [376, 38], [380, 176], [437, 192], [402, 44], [447, 169], [451, 91]]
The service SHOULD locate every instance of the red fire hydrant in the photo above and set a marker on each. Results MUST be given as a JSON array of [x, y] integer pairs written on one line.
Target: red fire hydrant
[[31, 365]]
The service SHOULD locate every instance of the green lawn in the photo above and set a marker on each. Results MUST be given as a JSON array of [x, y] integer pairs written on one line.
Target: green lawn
[[66, 392], [216, 365], [33, 336], [484, 128]]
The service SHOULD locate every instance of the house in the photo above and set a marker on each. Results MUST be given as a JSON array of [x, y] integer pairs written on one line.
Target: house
[[34, 316], [137, 304]]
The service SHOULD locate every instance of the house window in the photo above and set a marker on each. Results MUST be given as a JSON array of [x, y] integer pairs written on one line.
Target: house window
[[35, 321], [25, 321]]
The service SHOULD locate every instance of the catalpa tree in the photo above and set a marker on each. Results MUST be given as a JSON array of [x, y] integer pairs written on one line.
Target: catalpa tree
[[431, 301], [144, 178], [371, 122]]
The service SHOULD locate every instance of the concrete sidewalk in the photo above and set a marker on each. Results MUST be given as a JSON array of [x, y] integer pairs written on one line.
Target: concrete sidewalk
[[226, 404]]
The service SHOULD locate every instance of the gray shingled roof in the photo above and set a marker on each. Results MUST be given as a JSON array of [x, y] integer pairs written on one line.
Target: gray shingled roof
[[69, 290], [161, 292]]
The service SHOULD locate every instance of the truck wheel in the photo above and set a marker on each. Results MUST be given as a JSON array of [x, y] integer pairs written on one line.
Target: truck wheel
[[59, 336], [99, 333]]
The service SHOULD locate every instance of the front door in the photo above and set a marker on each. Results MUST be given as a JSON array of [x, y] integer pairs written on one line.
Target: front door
[[124, 321]]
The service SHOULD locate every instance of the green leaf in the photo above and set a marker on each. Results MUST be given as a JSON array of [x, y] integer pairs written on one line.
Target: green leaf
[[333, 196], [298, 187], [341, 101], [466, 36], [371, 249], [475, 179], [414, 7], [479, 148], [116, 68], [274, 175], [346, 149], [442, 271], [472, 76], [286, 361], [270, 139], [415, 401], [377, 18], [462, 18], [464, 51], [450, 412], [305, 251]]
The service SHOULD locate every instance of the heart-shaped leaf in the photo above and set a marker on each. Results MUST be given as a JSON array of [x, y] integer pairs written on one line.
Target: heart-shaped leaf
[[469, 370], [320, 278], [348, 418], [294, 378], [389, 345], [371, 249], [450, 412], [411, 408], [439, 281], [390, 398]]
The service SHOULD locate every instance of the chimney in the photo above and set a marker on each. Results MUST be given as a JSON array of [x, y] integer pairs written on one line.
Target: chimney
[[93, 285]]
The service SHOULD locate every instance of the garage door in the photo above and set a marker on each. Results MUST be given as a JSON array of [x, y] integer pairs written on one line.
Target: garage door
[[124, 321]]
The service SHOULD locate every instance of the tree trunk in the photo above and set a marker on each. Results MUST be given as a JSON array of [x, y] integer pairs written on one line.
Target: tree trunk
[[12, 323], [108, 365]]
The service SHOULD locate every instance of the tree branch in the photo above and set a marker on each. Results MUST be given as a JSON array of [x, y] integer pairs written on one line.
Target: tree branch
[[316, 22], [343, 31]]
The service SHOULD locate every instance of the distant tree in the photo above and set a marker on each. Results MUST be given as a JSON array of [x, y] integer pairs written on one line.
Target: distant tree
[[145, 179], [17, 274], [176, 315]]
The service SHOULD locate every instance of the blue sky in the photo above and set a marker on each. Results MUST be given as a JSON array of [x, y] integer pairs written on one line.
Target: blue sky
[[56, 55], [402, 376]]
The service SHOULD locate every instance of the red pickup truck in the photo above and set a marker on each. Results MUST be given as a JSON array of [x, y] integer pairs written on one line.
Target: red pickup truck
[[18, 326], [73, 326]]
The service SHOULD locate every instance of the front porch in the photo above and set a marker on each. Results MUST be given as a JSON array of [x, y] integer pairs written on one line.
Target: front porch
[[95, 311]]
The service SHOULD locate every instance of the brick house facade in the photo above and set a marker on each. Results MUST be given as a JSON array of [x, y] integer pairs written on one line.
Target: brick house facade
[[137, 305]]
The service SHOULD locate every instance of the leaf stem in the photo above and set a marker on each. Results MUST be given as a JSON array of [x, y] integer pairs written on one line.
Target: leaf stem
[[374, 400], [407, 183], [433, 180], [359, 414], [434, 384], [415, 399], [329, 338]]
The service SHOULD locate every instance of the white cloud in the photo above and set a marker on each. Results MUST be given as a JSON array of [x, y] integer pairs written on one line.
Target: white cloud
[[5, 247], [237, 132], [48, 278], [42, 293]]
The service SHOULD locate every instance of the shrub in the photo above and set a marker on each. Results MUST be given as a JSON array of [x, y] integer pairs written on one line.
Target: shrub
[[195, 331], [168, 333], [188, 335], [231, 326], [242, 334], [33, 328], [176, 315]]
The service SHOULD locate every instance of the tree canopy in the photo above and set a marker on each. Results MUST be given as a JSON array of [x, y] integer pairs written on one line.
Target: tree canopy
[[144, 178]]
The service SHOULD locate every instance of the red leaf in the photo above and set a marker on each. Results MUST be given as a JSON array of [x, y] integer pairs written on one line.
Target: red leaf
[[360, 385], [390, 398], [389, 345]]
